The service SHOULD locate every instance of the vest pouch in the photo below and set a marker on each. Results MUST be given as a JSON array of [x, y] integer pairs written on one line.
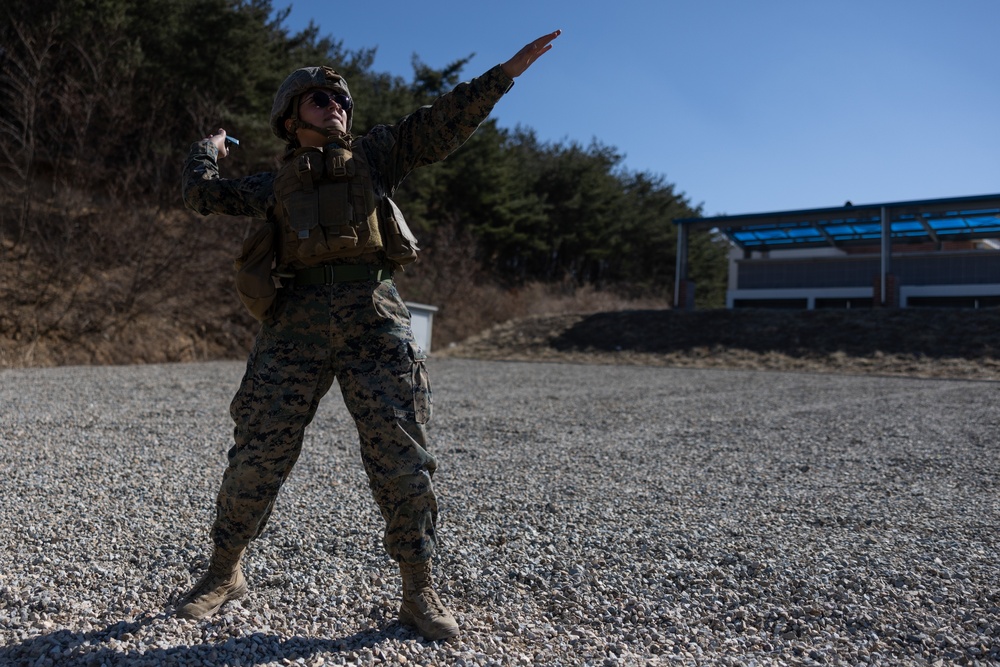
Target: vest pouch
[[326, 208], [337, 219], [400, 244], [254, 284], [321, 222]]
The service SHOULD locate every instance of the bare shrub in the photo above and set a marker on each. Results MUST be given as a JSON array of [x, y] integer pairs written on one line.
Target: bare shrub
[[120, 286], [469, 300]]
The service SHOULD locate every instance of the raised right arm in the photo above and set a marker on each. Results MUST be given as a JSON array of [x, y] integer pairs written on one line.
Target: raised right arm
[[205, 191]]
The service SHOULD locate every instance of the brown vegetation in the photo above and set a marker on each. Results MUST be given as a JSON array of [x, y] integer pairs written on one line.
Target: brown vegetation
[[138, 293], [119, 287], [145, 285], [153, 286]]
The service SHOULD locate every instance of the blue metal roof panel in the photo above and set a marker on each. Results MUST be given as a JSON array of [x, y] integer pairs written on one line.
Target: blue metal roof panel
[[932, 219]]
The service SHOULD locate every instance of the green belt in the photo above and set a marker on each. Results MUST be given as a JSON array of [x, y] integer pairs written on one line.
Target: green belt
[[328, 274]]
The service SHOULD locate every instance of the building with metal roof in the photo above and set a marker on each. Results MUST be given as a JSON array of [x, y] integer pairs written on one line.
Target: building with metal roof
[[934, 252]]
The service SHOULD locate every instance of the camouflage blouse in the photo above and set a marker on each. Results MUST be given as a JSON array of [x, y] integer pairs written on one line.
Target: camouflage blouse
[[424, 137]]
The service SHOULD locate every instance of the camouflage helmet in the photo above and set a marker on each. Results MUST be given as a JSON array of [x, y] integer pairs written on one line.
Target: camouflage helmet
[[297, 83]]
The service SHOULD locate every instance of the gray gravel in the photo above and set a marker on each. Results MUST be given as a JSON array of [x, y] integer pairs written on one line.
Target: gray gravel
[[591, 515]]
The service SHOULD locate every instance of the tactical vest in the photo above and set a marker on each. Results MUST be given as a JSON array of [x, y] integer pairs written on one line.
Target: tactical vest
[[327, 207]]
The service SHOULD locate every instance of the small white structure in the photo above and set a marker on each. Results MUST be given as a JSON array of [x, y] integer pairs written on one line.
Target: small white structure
[[422, 322]]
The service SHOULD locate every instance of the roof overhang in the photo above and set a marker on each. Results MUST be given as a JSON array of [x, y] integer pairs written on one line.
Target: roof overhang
[[930, 220]]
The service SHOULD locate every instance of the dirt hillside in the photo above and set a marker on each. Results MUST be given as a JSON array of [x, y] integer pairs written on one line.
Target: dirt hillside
[[943, 343]]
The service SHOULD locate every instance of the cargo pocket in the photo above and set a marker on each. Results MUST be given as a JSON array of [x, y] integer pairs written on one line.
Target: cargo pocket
[[254, 284], [422, 404]]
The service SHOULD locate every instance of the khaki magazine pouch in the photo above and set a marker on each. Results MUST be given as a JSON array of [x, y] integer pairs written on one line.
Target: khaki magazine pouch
[[253, 269], [315, 191], [400, 244], [329, 208]]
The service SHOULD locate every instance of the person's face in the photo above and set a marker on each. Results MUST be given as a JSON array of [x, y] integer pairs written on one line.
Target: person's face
[[324, 108]]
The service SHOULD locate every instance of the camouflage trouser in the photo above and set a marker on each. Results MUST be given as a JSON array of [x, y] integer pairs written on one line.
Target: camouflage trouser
[[358, 333]]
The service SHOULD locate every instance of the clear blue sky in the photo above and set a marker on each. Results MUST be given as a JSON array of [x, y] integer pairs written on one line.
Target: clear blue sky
[[746, 106]]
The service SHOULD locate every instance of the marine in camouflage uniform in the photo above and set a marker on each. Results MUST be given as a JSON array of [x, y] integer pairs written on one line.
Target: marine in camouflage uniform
[[340, 320]]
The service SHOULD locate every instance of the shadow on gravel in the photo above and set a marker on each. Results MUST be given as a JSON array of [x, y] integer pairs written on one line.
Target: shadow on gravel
[[936, 333], [65, 648]]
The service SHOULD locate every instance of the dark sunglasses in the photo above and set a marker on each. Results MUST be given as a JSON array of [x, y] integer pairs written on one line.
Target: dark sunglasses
[[322, 99]]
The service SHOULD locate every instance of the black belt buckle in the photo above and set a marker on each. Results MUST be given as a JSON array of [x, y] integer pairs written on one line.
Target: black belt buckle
[[378, 272]]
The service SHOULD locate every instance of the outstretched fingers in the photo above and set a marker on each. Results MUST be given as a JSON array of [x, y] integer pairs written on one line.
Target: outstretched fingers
[[524, 58]]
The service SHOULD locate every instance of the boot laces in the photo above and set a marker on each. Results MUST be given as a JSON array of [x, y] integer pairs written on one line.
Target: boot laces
[[208, 583], [432, 601]]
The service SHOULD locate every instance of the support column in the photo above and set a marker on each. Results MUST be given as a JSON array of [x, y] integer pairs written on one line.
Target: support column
[[682, 299], [885, 282]]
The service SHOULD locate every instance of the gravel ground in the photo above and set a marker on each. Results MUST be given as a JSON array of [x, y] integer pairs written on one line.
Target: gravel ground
[[591, 515]]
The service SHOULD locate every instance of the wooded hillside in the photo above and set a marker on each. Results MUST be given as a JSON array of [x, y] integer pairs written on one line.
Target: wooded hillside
[[100, 262]]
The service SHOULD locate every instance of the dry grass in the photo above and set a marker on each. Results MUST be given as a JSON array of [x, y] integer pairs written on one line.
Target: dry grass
[[480, 307], [470, 301], [123, 287], [154, 287]]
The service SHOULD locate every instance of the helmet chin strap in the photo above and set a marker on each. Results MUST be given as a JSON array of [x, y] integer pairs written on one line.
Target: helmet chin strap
[[328, 132]]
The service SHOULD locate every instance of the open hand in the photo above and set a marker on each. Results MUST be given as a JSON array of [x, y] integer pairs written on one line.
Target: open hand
[[523, 59]]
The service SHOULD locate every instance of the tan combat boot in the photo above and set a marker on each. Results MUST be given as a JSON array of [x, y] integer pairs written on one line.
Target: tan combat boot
[[422, 608], [223, 582]]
